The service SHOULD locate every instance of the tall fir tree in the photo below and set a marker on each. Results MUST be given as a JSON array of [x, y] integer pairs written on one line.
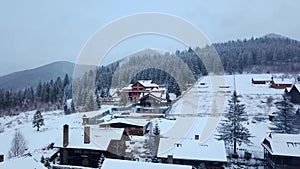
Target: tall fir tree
[[38, 120], [284, 121], [232, 129]]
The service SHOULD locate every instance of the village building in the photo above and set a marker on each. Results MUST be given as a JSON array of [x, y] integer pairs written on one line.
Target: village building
[[261, 79], [294, 93], [135, 90], [138, 127], [281, 83], [189, 150], [282, 151], [155, 98], [83, 147], [115, 164]]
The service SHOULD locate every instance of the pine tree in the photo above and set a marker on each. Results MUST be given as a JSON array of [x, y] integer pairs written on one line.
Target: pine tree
[[38, 120], [231, 129], [156, 130], [284, 121], [154, 139], [42, 159], [91, 102]]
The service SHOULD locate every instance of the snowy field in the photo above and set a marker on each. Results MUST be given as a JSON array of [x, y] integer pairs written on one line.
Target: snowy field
[[208, 91], [202, 100], [37, 141]]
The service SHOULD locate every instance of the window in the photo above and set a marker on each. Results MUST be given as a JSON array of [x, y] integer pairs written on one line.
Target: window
[[290, 144], [178, 145]]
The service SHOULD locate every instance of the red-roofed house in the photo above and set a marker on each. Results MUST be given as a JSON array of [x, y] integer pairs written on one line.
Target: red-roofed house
[[281, 83], [135, 90]]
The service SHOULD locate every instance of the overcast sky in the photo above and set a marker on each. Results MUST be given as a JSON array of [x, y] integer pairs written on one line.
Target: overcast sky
[[34, 32]]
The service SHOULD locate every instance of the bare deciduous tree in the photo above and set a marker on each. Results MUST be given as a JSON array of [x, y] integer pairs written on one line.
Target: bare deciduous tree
[[18, 145]]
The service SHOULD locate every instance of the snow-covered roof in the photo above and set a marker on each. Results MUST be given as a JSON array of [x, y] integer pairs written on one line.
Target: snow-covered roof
[[135, 122], [186, 147], [283, 81], [127, 87], [297, 87], [288, 89], [156, 95], [22, 162], [114, 164], [261, 77], [189, 149], [147, 83], [283, 144], [100, 137]]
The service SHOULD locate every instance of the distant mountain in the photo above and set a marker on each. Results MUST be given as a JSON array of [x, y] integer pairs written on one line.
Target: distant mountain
[[275, 36], [31, 77]]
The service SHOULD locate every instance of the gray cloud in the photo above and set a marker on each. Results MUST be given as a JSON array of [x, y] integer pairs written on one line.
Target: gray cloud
[[39, 32]]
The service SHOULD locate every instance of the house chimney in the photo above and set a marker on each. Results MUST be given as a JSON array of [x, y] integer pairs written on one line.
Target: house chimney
[[85, 120], [87, 139], [66, 135], [170, 159], [197, 137]]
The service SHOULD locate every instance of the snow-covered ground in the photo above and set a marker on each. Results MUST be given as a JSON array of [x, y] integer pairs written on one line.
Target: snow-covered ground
[[205, 101], [211, 94], [36, 141]]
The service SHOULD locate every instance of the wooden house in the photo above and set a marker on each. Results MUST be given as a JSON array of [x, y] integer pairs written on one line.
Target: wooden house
[[294, 94], [282, 151], [80, 147], [153, 100], [135, 90], [261, 79], [137, 127], [187, 149], [281, 83], [191, 151]]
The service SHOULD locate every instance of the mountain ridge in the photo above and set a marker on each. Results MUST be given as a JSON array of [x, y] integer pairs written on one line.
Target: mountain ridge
[[31, 77]]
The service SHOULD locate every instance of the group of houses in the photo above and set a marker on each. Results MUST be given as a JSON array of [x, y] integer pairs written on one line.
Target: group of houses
[[276, 83], [84, 144], [292, 90], [281, 150]]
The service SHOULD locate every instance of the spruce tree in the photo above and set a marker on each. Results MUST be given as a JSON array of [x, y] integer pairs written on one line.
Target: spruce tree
[[284, 121], [156, 130], [38, 120], [232, 130]]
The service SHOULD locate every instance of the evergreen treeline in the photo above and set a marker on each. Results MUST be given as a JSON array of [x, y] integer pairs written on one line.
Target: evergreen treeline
[[48, 94], [258, 55], [255, 55]]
